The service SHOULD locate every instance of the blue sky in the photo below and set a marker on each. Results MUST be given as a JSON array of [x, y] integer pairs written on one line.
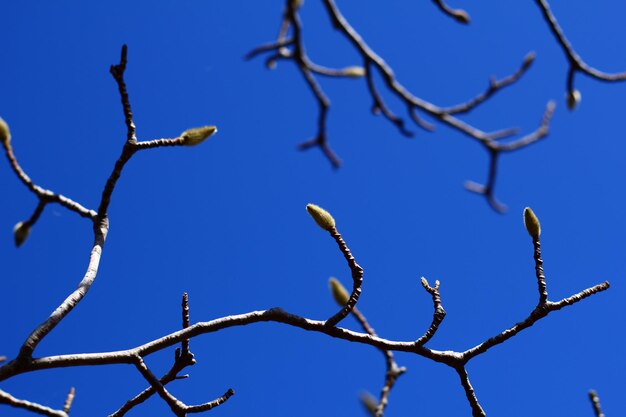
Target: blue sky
[[226, 221]]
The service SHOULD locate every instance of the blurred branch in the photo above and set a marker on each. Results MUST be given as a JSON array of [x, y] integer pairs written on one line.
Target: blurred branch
[[575, 61], [290, 46], [595, 402], [477, 410]]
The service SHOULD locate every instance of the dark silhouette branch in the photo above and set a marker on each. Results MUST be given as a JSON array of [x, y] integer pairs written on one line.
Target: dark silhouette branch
[[459, 15], [438, 315], [43, 195], [477, 410], [392, 373], [357, 279]]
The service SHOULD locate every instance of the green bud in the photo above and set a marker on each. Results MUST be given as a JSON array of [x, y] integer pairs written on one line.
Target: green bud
[[369, 402], [197, 135], [340, 294], [354, 72], [573, 98], [461, 16], [532, 223], [20, 233], [321, 217], [5, 133]]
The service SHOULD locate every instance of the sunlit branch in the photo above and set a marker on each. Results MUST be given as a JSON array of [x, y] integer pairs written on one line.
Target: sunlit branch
[[595, 402], [8, 399]]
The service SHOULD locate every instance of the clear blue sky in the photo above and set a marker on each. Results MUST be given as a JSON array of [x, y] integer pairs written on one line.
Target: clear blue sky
[[226, 222]]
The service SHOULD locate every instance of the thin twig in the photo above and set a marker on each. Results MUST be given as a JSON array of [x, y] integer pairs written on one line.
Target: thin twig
[[6, 398], [575, 61], [595, 402], [357, 279], [459, 15], [69, 400], [392, 373], [438, 315], [292, 48]]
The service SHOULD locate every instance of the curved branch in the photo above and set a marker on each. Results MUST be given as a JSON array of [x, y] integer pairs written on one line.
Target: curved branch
[[357, 279], [575, 60], [459, 15], [6, 398]]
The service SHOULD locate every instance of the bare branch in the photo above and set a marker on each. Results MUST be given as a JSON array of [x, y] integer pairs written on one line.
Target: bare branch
[[438, 315], [477, 410], [575, 61], [292, 48], [44, 196], [391, 375], [178, 407], [117, 71], [595, 402], [357, 279], [495, 85], [459, 15], [180, 363], [69, 400]]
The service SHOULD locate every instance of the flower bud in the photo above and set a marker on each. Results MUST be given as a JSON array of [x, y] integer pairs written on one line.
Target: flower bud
[[340, 294], [20, 233], [5, 133], [573, 98], [197, 135], [354, 72], [532, 223], [321, 217], [369, 402]]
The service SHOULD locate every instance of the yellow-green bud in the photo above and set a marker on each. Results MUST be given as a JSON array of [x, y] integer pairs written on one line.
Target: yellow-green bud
[[5, 133], [354, 72], [197, 135], [20, 233], [532, 223], [340, 294], [573, 98], [369, 402], [321, 217]]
